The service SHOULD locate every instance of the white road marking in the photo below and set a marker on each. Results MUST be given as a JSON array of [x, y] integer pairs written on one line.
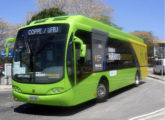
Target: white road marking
[[145, 115]]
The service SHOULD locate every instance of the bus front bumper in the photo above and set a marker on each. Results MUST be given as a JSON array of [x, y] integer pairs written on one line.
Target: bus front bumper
[[63, 99]]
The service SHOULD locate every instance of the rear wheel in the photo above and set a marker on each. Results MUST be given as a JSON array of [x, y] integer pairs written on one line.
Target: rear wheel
[[102, 91], [137, 79]]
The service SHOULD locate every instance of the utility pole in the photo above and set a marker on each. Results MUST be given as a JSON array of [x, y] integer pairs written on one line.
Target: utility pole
[[162, 55]]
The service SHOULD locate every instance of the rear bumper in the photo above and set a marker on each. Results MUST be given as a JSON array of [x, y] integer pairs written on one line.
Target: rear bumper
[[63, 99]]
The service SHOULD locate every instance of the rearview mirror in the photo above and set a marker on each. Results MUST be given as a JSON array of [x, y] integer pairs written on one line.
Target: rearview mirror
[[82, 46], [10, 40]]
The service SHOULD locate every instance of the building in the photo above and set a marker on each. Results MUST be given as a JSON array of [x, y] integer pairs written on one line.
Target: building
[[159, 48]]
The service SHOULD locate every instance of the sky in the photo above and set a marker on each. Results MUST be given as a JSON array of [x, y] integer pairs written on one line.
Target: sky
[[14, 11], [139, 15], [130, 15]]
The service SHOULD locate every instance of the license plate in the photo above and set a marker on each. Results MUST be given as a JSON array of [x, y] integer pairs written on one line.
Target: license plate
[[34, 98]]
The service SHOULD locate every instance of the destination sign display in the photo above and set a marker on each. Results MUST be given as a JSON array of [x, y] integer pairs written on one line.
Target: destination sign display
[[46, 30], [43, 30]]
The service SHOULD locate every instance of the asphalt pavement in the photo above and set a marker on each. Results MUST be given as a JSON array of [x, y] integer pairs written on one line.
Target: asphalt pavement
[[146, 102], [124, 104]]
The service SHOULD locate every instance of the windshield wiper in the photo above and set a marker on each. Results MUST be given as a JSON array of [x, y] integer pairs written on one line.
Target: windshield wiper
[[27, 46], [29, 51]]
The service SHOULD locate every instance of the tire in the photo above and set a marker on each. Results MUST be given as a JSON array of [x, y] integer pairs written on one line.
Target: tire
[[137, 79], [102, 91]]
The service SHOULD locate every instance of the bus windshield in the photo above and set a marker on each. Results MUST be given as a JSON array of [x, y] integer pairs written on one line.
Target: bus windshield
[[39, 54]]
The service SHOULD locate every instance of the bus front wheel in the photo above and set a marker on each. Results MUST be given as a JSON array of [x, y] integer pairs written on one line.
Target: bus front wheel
[[102, 91]]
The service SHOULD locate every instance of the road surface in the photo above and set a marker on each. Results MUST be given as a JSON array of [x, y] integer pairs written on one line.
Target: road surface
[[123, 104]]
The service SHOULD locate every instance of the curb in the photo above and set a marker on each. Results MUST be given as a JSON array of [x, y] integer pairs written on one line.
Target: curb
[[156, 77]]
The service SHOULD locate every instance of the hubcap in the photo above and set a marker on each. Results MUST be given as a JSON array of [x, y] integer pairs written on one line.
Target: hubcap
[[101, 91], [137, 80]]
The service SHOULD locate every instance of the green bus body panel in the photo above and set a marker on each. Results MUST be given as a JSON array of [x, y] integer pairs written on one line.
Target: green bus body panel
[[40, 89], [85, 89], [64, 99], [85, 21]]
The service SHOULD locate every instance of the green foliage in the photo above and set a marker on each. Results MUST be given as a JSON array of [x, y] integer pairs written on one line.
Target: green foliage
[[105, 20], [2, 61], [150, 48], [5, 60], [115, 26], [148, 39], [46, 13]]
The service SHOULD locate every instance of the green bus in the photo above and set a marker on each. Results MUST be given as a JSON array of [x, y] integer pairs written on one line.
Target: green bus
[[67, 60]]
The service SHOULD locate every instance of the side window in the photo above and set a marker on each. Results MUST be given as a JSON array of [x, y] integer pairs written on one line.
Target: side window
[[113, 55], [119, 55], [84, 65], [70, 61]]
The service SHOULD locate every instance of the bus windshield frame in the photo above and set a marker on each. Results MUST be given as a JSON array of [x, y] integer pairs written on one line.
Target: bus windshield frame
[[39, 54]]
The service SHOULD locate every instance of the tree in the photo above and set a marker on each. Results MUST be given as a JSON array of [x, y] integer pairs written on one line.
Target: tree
[[46, 13], [115, 26], [91, 8], [46, 4], [148, 39], [146, 36], [105, 20], [29, 15], [14, 29], [95, 9], [5, 31]]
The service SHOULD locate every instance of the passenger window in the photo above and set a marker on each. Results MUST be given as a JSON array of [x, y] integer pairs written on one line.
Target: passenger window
[[119, 55]]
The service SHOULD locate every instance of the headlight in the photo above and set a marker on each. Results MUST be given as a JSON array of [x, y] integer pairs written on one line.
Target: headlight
[[57, 90], [16, 88]]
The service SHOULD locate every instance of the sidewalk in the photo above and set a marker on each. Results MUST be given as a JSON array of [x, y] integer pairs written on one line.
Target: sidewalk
[[5, 88], [162, 78], [158, 77]]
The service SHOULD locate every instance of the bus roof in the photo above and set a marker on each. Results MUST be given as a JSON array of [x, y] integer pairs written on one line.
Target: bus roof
[[86, 21]]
